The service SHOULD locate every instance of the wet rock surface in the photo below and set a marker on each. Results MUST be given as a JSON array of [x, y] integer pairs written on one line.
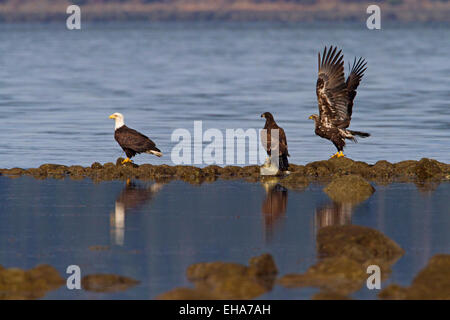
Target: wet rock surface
[[344, 253], [28, 284], [300, 177], [295, 181], [225, 280], [107, 283], [432, 283], [362, 244], [349, 189], [340, 275]]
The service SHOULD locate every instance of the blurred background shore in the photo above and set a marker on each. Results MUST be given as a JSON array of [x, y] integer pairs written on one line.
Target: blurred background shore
[[228, 10]]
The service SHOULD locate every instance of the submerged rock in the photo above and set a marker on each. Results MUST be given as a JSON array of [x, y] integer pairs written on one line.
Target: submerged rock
[[344, 254], [362, 244], [225, 280], [262, 266], [432, 283], [107, 283], [28, 284], [339, 275], [295, 181], [349, 189]]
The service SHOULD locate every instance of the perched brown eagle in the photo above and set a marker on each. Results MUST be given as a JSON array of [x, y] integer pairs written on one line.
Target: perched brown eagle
[[269, 142], [131, 141], [335, 97]]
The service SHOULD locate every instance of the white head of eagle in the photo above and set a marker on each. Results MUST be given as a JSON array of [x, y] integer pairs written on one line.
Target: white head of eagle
[[132, 141], [118, 117]]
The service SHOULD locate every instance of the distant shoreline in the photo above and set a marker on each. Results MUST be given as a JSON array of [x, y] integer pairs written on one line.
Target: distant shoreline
[[282, 11]]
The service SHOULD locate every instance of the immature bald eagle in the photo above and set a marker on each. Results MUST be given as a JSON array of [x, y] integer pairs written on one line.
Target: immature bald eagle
[[267, 141], [131, 141], [335, 97]]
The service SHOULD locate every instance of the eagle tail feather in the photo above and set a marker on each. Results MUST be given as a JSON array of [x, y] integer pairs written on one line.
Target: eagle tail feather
[[156, 153], [359, 133], [283, 162]]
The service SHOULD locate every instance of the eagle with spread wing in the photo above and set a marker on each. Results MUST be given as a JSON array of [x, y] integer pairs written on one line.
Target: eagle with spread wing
[[335, 97]]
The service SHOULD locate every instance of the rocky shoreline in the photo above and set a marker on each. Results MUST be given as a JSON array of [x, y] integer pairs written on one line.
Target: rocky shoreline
[[422, 171]]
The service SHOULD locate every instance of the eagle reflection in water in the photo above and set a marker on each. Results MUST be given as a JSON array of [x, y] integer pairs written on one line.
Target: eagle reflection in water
[[334, 214], [132, 197], [273, 207]]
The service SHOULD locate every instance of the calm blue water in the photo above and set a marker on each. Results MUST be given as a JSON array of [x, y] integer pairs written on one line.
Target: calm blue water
[[57, 87], [168, 227]]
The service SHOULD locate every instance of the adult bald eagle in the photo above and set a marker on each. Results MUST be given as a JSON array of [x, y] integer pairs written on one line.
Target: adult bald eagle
[[269, 142], [335, 97], [131, 141]]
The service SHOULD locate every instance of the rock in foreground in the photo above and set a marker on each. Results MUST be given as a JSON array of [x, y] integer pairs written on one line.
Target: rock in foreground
[[224, 280], [345, 252], [28, 284], [362, 244], [349, 189], [432, 283], [107, 283]]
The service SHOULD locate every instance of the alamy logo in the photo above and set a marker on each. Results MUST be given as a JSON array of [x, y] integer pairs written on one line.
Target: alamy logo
[[374, 280], [74, 20], [74, 280], [229, 148], [374, 20]]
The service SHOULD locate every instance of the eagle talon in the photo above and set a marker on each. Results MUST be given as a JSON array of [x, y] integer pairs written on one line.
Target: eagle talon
[[127, 160], [340, 154]]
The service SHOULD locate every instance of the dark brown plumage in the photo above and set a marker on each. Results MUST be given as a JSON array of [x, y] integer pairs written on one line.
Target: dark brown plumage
[[267, 140], [133, 142], [335, 98]]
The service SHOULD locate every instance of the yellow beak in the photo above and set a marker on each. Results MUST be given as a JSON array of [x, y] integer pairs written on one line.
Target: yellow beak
[[112, 116], [310, 118]]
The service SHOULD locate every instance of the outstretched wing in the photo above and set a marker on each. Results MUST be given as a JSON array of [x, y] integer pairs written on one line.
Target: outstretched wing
[[134, 140], [353, 80], [331, 88]]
